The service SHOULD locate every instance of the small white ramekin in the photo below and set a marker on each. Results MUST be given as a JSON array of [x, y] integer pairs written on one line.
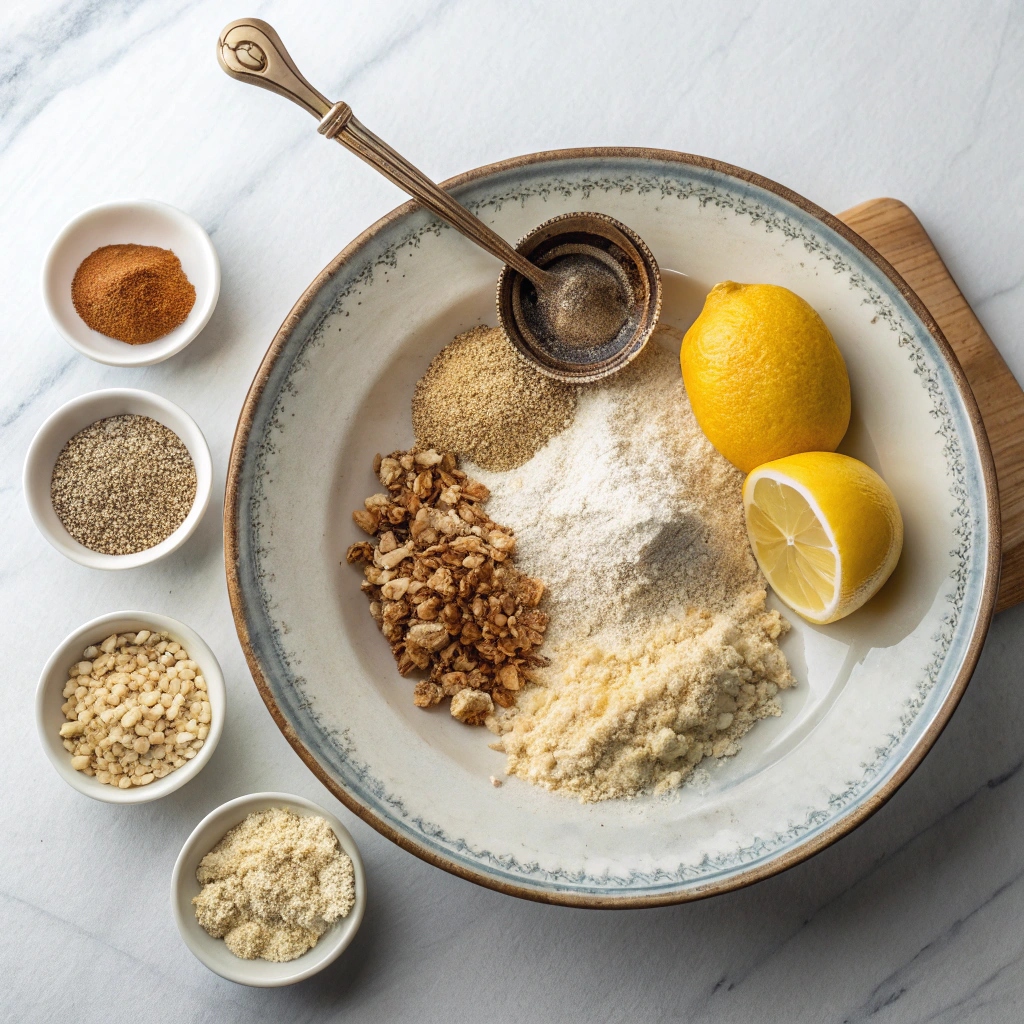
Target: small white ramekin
[[212, 952], [144, 222], [49, 697], [74, 416]]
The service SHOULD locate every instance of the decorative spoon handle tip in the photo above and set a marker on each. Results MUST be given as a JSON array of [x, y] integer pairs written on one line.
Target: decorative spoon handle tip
[[251, 51]]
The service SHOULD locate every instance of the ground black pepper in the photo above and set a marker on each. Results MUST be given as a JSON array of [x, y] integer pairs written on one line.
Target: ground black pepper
[[123, 484]]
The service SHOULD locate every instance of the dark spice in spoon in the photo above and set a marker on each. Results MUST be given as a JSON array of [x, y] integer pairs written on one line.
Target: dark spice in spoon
[[133, 293], [587, 307]]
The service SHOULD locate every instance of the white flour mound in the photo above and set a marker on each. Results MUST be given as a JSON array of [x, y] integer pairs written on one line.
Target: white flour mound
[[663, 651]]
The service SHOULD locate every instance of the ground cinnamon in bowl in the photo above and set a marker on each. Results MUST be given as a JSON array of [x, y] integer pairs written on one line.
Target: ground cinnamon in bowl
[[132, 293]]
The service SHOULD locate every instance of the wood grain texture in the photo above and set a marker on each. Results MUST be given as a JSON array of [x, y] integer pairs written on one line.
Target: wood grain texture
[[893, 229]]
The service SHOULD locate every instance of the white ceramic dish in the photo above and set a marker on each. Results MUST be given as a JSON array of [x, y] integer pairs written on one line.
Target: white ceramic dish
[[74, 416], [143, 222], [875, 690], [49, 697], [212, 952]]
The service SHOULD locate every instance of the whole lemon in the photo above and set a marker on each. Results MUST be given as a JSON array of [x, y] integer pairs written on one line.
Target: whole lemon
[[764, 376]]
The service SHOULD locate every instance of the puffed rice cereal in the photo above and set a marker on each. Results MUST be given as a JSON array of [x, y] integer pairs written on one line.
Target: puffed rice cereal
[[137, 708]]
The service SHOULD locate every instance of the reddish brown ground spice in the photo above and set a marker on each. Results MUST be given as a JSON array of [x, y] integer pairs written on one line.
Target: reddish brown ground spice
[[134, 293]]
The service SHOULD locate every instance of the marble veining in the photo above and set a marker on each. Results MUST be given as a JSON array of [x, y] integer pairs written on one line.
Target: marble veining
[[914, 917]]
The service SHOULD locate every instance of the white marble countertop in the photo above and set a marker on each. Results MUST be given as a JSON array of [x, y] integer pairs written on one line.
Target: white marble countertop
[[916, 915]]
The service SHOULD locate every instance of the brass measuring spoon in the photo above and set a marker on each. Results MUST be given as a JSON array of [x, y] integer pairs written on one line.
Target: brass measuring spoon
[[578, 297]]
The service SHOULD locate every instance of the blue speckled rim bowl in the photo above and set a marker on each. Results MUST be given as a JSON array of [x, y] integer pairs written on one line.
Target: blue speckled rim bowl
[[896, 325]]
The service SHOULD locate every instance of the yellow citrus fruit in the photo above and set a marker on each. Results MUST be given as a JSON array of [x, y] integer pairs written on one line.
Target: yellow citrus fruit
[[825, 529], [764, 376]]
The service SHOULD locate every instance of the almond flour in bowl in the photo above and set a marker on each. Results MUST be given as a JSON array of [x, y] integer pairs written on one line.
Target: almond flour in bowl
[[274, 884], [663, 651]]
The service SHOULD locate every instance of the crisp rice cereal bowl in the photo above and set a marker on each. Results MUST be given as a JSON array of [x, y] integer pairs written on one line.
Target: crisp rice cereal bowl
[[49, 717]]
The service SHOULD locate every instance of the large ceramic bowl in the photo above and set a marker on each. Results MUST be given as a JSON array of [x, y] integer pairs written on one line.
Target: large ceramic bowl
[[875, 689]]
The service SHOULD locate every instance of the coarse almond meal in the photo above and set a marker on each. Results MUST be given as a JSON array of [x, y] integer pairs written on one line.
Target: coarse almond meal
[[137, 708], [443, 587], [663, 652], [274, 884]]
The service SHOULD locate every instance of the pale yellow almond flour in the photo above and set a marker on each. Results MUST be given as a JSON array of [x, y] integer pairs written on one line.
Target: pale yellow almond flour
[[274, 884]]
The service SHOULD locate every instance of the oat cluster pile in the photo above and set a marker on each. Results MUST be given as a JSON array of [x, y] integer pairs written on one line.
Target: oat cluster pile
[[274, 884], [478, 399], [132, 293], [663, 652], [123, 484], [443, 587], [136, 707]]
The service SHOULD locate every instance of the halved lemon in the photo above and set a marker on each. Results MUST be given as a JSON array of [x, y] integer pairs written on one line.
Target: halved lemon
[[825, 529]]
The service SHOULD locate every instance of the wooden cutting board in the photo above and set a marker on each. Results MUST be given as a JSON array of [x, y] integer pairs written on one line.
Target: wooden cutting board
[[891, 227]]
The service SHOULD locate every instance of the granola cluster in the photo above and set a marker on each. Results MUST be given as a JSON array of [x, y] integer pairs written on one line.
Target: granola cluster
[[442, 586]]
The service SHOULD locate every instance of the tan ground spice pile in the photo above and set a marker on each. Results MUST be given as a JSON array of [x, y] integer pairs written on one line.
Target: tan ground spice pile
[[274, 884], [478, 399], [132, 293], [662, 650]]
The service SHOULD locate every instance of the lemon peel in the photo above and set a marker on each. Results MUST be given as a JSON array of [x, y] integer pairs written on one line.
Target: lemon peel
[[764, 376]]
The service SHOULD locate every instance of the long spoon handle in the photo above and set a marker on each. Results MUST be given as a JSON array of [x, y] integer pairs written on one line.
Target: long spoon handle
[[251, 51]]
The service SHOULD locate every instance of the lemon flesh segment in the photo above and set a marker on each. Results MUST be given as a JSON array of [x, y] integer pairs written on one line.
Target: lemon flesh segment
[[825, 529], [793, 548]]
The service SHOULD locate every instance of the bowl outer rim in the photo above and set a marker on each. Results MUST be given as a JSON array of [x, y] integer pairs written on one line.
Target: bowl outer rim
[[345, 840], [142, 357], [212, 672], [201, 458], [803, 850]]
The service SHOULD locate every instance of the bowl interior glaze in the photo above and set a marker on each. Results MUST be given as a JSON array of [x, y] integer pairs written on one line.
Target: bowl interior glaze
[[875, 689]]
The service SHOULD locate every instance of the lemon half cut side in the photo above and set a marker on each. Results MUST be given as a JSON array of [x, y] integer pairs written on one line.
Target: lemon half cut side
[[825, 530]]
